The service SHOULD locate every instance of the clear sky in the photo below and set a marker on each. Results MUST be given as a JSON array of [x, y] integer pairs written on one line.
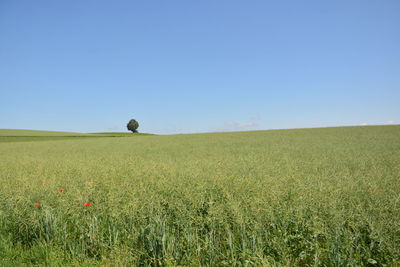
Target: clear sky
[[182, 66]]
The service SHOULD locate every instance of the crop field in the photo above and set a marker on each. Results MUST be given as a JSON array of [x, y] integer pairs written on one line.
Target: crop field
[[304, 197], [8, 135]]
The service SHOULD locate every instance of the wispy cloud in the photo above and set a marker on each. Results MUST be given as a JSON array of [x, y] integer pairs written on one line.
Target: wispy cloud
[[389, 122], [251, 124], [241, 125]]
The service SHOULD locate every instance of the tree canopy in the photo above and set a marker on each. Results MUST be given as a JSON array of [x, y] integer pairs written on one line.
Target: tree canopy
[[132, 126]]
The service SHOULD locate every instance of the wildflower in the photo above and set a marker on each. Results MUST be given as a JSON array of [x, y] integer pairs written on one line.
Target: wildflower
[[87, 204], [37, 205], [62, 190]]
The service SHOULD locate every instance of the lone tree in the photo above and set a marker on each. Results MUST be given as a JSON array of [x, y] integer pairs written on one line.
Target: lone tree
[[132, 126]]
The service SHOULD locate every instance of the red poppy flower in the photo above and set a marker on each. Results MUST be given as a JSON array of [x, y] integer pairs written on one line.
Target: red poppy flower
[[37, 205], [62, 190], [87, 204]]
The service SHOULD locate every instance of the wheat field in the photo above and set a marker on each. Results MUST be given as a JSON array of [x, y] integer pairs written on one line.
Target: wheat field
[[304, 197]]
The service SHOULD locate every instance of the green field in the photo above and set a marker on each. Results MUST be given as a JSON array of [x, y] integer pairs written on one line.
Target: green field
[[8, 135], [306, 197], [34, 133]]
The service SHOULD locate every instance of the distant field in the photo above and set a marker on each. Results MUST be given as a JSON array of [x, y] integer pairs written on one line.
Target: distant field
[[306, 197], [123, 134], [11, 132], [7, 135]]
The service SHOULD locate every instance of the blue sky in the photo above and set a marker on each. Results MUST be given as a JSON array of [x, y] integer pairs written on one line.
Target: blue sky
[[183, 66]]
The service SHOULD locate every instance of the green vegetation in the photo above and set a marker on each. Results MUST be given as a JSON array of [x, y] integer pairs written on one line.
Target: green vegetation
[[12, 132], [322, 197], [132, 126], [7, 135], [123, 134]]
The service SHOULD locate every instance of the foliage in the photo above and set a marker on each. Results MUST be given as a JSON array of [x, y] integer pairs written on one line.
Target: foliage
[[132, 126], [323, 197]]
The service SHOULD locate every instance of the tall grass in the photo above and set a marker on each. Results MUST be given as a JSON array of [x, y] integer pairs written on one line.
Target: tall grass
[[322, 197]]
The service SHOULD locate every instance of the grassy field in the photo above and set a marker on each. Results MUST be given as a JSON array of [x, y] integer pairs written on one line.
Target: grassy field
[[307, 197], [9, 135]]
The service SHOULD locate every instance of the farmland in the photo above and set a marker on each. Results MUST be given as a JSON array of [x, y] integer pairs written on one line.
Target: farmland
[[323, 197]]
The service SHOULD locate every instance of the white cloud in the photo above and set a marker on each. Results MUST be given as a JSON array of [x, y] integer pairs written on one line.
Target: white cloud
[[238, 126], [391, 122], [241, 125], [364, 124], [251, 124]]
